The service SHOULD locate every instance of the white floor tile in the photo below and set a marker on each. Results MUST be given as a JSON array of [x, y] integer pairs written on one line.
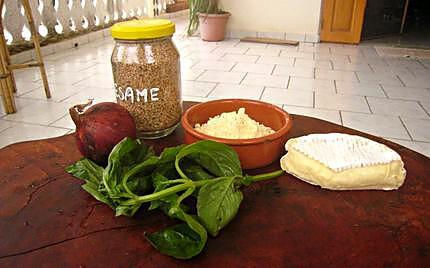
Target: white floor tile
[[23, 87], [229, 91], [65, 66], [98, 94], [58, 92], [219, 76], [328, 115], [335, 75], [396, 107], [389, 70], [361, 89], [257, 68], [288, 96], [251, 45], [369, 60], [379, 125], [64, 122], [97, 80], [6, 124], [351, 67], [230, 50], [204, 56], [332, 57], [298, 55], [100, 68], [24, 132], [214, 65], [321, 64], [410, 63], [27, 75], [352, 50], [418, 128], [341, 102], [70, 78], [294, 71], [88, 67], [317, 85], [420, 147], [198, 89], [413, 81], [42, 113], [385, 79], [195, 99], [191, 73], [426, 105], [276, 60], [239, 58], [265, 80], [263, 52], [407, 93]]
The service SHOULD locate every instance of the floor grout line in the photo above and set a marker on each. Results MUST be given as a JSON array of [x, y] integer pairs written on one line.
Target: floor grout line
[[368, 104], [407, 130], [421, 105], [341, 118], [213, 89], [262, 92]]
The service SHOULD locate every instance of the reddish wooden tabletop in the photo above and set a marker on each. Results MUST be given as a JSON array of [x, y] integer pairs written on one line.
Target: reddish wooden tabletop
[[46, 219]]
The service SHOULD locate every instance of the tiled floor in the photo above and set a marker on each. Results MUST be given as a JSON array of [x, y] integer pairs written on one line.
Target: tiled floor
[[344, 84]]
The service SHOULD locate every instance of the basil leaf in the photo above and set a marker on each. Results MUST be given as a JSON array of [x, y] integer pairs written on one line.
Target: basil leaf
[[92, 189], [158, 182], [194, 171], [218, 203], [87, 170], [182, 241], [219, 159], [125, 155]]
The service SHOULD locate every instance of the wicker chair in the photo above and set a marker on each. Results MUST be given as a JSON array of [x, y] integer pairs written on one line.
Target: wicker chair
[[7, 81]]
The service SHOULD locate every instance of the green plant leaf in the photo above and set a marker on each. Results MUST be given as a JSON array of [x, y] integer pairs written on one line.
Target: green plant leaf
[[123, 157], [158, 181], [182, 241], [194, 171], [86, 169], [218, 203], [93, 190], [219, 159]]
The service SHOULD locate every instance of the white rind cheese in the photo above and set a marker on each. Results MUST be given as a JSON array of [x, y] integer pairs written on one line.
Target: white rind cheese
[[343, 162]]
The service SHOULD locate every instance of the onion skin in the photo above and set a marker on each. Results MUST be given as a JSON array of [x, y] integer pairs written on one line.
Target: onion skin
[[100, 127]]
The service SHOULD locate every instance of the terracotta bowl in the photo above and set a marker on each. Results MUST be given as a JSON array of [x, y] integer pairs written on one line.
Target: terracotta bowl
[[253, 153]]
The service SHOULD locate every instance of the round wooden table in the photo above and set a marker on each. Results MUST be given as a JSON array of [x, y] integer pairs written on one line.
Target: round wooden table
[[46, 219]]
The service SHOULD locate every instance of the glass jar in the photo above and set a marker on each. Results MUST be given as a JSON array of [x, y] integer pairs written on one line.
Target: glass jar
[[146, 71]]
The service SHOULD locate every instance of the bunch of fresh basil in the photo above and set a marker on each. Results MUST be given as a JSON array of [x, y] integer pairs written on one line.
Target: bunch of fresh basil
[[206, 170]]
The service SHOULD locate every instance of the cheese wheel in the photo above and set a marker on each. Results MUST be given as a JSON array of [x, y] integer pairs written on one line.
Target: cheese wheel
[[343, 162]]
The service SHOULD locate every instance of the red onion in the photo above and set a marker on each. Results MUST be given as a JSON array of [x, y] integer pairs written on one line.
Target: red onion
[[100, 127]]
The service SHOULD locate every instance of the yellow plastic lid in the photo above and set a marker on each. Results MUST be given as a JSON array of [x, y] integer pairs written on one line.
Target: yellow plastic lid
[[142, 29]]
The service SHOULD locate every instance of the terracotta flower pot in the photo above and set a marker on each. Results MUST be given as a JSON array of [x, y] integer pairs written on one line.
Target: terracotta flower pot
[[212, 26]]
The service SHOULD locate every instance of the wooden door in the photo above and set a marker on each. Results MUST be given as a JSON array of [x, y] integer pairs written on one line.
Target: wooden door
[[342, 20]]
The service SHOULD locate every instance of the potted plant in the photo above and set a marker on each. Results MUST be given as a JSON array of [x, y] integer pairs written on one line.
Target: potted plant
[[211, 19]]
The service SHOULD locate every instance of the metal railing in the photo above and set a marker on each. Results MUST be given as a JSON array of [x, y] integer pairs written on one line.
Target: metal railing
[[59, 19]]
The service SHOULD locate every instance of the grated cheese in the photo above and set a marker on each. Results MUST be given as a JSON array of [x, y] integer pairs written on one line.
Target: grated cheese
[[234, 125]]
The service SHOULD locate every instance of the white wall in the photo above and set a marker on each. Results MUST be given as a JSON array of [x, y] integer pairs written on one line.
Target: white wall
[[296, 18]]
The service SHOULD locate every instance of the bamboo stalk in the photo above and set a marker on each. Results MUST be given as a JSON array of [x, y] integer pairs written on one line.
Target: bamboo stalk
[[36, 42], [10, 81], [23, 65], [405, 13], [6, 83]]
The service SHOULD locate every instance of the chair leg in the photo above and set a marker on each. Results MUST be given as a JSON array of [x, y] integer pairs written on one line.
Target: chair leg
[[36, 42], [7, 96]]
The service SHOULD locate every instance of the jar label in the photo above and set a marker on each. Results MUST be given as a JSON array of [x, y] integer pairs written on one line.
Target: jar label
[[136, 95]]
